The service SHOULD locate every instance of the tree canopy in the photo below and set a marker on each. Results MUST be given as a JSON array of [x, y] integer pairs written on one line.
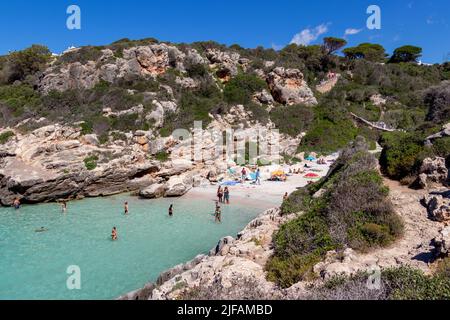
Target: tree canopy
[[406, 54], [331, 44], [368, 51]]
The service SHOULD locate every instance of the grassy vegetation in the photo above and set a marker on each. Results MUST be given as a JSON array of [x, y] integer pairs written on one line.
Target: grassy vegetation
[[5, 136]]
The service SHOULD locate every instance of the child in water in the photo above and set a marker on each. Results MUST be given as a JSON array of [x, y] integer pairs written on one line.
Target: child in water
[[126, 208], [218, 213], [171, 210], [114, 234]]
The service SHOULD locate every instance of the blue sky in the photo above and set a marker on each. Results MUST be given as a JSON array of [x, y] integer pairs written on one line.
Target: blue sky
[[247, 22]]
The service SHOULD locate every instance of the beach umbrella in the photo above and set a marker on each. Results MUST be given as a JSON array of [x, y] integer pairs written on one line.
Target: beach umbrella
[[278, 173]]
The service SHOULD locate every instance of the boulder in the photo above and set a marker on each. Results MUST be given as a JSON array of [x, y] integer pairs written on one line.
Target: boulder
[[154, 191], [442, 243], [434, 171], [438, 207], [177, 186], [264, 97], [289, 87]]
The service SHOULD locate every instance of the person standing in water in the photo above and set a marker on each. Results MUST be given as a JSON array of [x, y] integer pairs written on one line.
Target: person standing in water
[[126, 208], [114, 234], [64, 207], [16, 204], [218, 213], [171, 210], [226, 194], [220, 194]]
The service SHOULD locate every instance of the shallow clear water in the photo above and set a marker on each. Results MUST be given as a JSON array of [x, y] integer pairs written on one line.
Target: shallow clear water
[[34, 265]]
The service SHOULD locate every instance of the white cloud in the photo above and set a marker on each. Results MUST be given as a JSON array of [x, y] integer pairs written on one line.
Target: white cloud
[[277, 47], [352, 31], [306, 36]]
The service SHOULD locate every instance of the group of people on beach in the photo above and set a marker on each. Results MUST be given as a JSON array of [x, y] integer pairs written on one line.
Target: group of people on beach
[[223, 195]]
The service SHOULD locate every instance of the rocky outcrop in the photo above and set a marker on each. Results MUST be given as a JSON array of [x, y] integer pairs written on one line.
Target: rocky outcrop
[[154, 191], [289, 87], [438, 206], [50, 164], [432, 172], [225, 64], [142, 61], [442, 243]]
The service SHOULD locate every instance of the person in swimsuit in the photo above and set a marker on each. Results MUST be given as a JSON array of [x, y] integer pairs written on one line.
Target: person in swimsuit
[[126, 208], [218, 213], [226, 194], [64, 207], [220, 194], [286, 196], [171, 210], [16, 203], [114, 234]]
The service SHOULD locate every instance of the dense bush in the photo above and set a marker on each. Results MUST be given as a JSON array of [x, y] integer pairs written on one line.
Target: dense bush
[[402, 283], [354, 211], [19, 98], [18, 65], [5, 136], [240, 89], [437, 100], [402, 154], [91, 162], [292, 120]]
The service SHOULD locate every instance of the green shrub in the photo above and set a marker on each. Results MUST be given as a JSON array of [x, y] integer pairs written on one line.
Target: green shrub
[[402, 154], [21, 64], [239, 90], [5, 136], [292, 120], [298, 201], [411, 284], [19, 98], [162, 156], [87, 128], [286, 272], [91, 162]]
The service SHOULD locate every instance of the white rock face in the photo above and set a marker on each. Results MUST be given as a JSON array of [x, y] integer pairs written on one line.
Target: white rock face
[[154, 191], [289, 87]]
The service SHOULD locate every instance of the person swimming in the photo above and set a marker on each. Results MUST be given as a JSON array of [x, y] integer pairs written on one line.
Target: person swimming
[[114, 234], [64, 206], [126, 208], [42, 229], [171, 210], [16, 204]]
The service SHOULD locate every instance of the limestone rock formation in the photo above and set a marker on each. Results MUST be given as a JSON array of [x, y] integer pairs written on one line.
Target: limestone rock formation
[[154, 191], [432, 171], [289, 87], [438, 207]]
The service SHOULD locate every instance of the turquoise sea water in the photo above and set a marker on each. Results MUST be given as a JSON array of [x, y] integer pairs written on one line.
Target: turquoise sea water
[[34, 265]]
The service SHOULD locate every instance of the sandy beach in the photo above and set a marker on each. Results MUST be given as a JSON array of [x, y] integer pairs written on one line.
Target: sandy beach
[[270, 193]]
